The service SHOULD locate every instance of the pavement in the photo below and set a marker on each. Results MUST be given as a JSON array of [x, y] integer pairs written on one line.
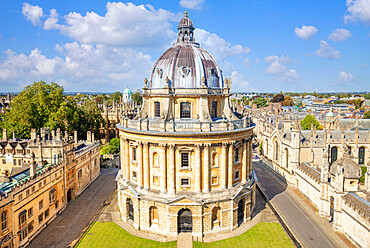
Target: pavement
[[65, 230], [309, 228]]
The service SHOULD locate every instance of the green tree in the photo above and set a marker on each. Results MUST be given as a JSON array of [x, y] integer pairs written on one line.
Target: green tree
[[261, 102], [288, 101], [117, 96], [306, 122], [32, 108], [367, 115], [367, 96], [44, 105], [278, 98], [138, 99]]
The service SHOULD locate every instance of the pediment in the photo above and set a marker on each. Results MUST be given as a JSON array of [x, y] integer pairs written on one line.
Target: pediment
[[185, 200]]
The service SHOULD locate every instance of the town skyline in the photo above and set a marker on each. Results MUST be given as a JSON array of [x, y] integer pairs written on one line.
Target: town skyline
[[262, 46]]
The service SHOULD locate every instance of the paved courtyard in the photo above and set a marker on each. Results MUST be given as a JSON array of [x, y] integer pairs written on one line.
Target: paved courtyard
[[65, 229]]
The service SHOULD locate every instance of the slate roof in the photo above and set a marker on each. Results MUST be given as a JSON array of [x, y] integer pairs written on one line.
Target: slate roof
[[359, 204]]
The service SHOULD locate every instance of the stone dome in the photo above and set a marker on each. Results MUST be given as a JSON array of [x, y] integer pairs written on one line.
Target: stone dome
[[350, 168], [186, 63], [185, 22]]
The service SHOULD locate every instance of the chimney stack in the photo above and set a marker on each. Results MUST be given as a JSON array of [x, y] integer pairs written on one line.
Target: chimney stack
[[33, 169], [33, 134], [88, 138], [75, 136], [14, 135], [58, 134], [92, 137], [5, 134], [52, 134]]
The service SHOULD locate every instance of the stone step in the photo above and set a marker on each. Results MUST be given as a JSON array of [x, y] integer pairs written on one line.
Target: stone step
[[185, 240]]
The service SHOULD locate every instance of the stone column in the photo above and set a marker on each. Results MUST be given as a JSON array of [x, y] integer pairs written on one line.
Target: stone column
[[223, 165], [197, 169], [230, 166], [250, 151], [244, 163], [206, 168], [140, 164], [127, 160], [146, 166], [172, 172], [163, 167]]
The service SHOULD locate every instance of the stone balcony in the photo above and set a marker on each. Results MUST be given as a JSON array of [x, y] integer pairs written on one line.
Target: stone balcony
[[185, 126]]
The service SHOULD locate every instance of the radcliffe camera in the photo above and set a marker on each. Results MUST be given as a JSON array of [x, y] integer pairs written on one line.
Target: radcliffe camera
[[188, 123]]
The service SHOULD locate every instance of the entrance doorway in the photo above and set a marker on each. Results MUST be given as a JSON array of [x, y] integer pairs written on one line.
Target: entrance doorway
[[240, 212], [331, 217], [69, 194], [185, 221]]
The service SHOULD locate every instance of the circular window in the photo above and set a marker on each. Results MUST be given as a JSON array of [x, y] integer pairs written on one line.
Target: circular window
[[185, 70]]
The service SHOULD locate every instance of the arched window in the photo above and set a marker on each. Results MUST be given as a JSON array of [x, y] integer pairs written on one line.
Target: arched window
[[4, 220], [215, 160], [333, 154], [214, 109], [52, 195], [185, 110], [286, 158], [22, 218], [130, 209], [153, 215], [240, 211], [276, 150], [349, 150], [236, 154], [155, 159], [216, 221], [361, 156], [157, 109]]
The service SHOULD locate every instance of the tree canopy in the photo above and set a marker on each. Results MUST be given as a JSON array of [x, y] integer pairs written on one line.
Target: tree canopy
[[44, 105], [306, 122], [138, 99], [260, 101], [278, 98], [112, 148], [367, 115], [288, 101]]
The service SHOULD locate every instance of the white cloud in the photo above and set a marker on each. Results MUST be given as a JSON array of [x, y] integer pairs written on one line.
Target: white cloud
[[277, 67], [217, 46], [80, 66], [358, 10], [345, 77], [192, 4], [125, 25], [305, 32], [363, 65], [340, 34], [238, 82], [32, 13], [326, 51]]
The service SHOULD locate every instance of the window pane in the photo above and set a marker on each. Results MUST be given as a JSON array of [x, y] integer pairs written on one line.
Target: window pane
[[185, 108], [157, 109], [184, 159]]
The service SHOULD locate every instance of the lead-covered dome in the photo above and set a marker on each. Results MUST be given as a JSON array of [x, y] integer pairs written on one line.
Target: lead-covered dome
[[186, 63]]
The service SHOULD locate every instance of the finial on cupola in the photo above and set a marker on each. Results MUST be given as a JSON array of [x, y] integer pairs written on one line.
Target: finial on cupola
[[186, 13]]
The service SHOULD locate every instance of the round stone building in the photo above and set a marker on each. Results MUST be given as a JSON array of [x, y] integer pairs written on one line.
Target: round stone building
[[186, 156]]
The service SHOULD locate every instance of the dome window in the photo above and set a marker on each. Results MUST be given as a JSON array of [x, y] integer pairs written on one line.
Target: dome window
[[185, 70], [159, 72]]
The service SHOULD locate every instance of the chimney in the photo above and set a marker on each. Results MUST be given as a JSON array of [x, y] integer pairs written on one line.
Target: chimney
[[75, 136], [92, 137], [33, 134], [88, 138], [52, 134], [66, 134], [5, 134], [14, 135], [33, 170]]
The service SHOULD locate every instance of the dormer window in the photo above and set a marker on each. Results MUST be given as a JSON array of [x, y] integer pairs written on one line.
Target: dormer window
[[159, 72]]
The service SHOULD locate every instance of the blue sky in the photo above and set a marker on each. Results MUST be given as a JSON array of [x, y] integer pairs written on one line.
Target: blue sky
[[264, 46]]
